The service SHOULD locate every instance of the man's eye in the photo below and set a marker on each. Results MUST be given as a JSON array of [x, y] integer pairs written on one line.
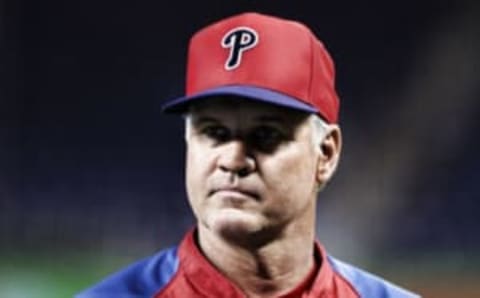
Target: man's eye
[[217, 133], [266, 137]]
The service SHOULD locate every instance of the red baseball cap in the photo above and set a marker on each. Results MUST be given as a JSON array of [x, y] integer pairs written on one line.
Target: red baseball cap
[[262, 58]]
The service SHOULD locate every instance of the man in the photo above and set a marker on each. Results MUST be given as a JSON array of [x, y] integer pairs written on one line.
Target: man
[[262, 140]]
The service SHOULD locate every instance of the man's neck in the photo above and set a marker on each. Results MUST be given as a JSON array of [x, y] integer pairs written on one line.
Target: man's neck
[[271, 269]]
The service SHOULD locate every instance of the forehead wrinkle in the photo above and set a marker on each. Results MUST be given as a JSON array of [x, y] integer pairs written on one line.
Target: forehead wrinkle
[[243, 121], [239, 113]]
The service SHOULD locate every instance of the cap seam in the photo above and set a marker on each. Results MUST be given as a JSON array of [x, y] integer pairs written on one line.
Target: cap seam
[[312, 57]]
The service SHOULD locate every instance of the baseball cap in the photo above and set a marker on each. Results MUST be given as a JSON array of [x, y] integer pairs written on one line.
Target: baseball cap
[[263, 58]]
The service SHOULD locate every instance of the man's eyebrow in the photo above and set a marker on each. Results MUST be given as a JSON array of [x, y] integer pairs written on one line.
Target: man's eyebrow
[[204, 119], [271, 118]]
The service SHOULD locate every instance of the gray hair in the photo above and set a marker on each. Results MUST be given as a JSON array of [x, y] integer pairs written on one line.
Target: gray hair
[[320, 129]]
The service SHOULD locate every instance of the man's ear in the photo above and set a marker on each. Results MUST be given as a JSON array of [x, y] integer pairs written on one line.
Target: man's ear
[[330, 147]]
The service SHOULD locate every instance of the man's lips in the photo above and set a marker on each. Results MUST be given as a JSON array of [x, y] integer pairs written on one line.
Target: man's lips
[[234, 192]]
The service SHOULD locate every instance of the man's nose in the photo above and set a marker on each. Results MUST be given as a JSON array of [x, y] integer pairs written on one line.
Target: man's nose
[[235, 158]]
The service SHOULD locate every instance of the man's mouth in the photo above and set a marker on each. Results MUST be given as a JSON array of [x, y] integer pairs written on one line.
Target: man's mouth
[[235, 193]]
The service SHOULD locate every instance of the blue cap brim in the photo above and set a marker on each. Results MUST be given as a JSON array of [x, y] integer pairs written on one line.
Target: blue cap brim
[[180, 105]]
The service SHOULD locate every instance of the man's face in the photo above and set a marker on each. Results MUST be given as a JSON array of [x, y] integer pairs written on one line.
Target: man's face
[[251, 167]]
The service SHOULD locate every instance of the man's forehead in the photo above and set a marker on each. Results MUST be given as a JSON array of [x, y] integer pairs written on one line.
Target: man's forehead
[[243, 107]]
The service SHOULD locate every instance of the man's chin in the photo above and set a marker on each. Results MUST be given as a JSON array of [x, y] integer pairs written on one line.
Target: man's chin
[[240, 228], [233, 224]]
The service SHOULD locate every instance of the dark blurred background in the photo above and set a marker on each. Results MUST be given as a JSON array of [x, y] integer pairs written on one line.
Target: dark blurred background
[[91, 173]]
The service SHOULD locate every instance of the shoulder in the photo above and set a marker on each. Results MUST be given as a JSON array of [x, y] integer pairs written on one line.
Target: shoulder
[[141, 279], [367, 284]]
